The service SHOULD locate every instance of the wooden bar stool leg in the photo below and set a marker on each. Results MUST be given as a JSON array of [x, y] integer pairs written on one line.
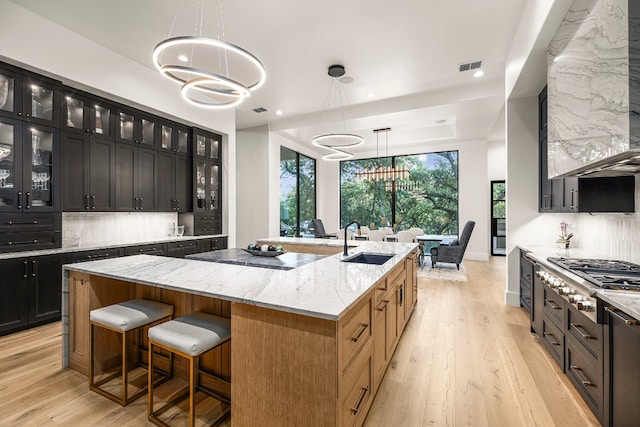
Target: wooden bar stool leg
[[150, 379], [91, 337], [125, 369], [193, 369]]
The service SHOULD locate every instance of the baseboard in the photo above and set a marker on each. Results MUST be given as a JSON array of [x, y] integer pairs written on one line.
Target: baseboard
[[512, 298], [476, 256]]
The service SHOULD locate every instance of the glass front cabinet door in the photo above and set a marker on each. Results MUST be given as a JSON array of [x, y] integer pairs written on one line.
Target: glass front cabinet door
[[89, 115], [207, 194], [29, 167], [28, 97], [207, 144]]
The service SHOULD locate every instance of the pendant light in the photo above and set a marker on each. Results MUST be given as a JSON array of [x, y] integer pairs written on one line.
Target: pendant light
[[383, 173], [336, 142], [204, 75]]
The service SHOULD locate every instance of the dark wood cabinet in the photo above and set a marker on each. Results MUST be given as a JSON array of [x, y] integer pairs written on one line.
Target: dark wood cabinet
[[174, 137], [87, 114], [31, 292], [213, 244], [29, 167], [526, 282], [182, 248], [207, 145], [29, 97], [150, 249], [88, 173], [136, 178], [174, 182], [136, 127]]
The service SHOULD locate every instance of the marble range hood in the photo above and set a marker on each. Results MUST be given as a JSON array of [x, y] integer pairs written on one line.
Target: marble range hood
[[593, 78]]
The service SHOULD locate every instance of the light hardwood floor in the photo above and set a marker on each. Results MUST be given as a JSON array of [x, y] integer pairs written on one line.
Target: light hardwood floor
[[465, 359]]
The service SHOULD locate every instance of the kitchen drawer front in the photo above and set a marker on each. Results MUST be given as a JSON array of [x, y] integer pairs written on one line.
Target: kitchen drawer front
[[357, 395], [157, 249], [203, 228], [526, 268], [180, 249], [381, 288], [10, 223], [30, 241], [587, 333], [94, 255], [589, 380], [554, 340], [525, 295], [354, 332], [554, 306]]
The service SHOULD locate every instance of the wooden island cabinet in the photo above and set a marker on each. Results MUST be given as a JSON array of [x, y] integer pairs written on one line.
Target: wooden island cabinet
[[287, 365]]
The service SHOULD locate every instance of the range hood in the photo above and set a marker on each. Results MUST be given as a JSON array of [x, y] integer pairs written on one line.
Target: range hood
[[593, 93]]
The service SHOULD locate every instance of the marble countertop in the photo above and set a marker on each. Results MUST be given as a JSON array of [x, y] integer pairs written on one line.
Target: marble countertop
[[104, 245], [325, 288], [627, 301], [286, 261]]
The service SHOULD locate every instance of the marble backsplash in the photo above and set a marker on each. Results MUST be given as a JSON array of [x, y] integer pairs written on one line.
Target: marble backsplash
[[94, 228], [617, 236]]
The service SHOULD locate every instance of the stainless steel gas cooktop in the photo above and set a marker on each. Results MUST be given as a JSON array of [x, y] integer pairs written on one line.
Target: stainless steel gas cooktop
[[606, 274]]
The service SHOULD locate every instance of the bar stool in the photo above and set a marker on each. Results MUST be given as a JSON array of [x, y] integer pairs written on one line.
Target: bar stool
[[123, 318], [189, 336]]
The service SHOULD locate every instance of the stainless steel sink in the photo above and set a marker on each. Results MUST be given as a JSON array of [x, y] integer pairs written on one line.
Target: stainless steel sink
[[369, 258]]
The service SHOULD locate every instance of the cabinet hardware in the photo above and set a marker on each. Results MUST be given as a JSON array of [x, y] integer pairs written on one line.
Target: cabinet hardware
[[363, 393], [19, 113], [401, 295], [25, 271], [33, 269], [576, 370], [579, 329], [552, 304], [28, 242], [136, 203], [626, 320], [382, 306], [19, 199], [86, 202], [35, 221], [93, 202], [140, 200], [551, 339], [573, 205], [365, 326], [28, 194]]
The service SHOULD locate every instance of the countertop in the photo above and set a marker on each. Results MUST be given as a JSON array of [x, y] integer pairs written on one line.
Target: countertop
[[325, 288], [105, 245], [627, 301], [285, 261]]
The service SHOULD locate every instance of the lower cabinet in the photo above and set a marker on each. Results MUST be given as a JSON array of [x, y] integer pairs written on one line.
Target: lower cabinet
[[182, 248], [30, 292]]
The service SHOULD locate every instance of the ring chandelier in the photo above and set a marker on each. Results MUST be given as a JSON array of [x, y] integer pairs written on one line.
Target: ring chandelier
[[204, 87], [336, 142]]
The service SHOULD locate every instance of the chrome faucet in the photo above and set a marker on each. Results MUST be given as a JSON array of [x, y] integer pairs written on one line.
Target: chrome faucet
[[345, 253]]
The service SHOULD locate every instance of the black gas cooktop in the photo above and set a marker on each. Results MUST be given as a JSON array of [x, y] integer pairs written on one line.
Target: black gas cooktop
[[604, 273]]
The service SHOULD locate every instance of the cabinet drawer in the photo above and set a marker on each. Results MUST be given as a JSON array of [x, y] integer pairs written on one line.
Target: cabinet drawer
[[554, 340], [357, 396], [94, 255], [157, 249], [354, 332], [588, 380], [381, 289], [180, 249], [30, 222], [202, 228], [526, 268], [29, 241], [586, 333], [553, 306]]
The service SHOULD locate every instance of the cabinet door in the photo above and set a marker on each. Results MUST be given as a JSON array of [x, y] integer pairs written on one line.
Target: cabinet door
[[14, 311], [101, 174], [147, 177], [183, 184], [10, 93], [126, 198], [182, 145], [11, 194], [45, 288], [41, 168], [75, 113], [380, 340], [166, 182], [207, 144], [392, 322], [75, 157], [41, 100]]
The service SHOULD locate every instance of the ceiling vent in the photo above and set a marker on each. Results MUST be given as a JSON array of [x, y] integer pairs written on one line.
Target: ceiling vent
[[260, 110], [470, 66]]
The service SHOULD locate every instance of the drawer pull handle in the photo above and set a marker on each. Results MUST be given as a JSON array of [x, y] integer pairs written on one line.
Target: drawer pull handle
[[365, 326], [551, 339], [626, 320], [35, 221], [580, 329], [363, 394], [382, 306], [577, 371], [552, 304], [28, 242]]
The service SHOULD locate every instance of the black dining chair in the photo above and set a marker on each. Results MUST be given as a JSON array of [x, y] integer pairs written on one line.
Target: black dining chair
[[319, 231]]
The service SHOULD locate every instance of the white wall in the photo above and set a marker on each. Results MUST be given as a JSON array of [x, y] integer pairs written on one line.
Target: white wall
[[497, 160], [252, 167], [33, 42]]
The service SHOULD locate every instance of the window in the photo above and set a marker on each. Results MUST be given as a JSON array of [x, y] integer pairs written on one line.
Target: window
[[428, 199], [297, 193]]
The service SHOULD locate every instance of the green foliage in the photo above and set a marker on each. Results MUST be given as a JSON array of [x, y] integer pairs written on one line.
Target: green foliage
[[288, 194]]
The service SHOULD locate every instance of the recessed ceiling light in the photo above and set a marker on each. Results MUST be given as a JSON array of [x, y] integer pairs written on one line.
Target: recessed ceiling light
[[346, 80], [279, 112], [370, 94], [183, 58], [478, 73]]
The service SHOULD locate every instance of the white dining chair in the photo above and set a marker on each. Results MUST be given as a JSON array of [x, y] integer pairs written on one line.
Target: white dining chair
[[350, 235], [386, 230], [406, 237], [376, 236], [364, 229], [416, 231]]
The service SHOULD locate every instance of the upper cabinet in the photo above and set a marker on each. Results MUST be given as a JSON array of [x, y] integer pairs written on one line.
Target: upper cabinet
[[174, 137], [29, 97], [83, 113], [136, 127], [29, 167], [593, 69], [207, 144]]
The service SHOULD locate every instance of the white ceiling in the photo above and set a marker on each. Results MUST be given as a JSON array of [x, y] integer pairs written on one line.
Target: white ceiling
[[406, 52]]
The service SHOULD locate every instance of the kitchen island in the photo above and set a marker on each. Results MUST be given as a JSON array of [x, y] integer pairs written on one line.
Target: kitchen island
[[309, 345]]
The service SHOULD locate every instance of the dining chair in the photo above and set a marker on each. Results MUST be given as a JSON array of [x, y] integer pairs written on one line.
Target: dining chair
[[406, 237], [416, 231], [376, 236], [364, 229], [319, 231], [386, 230], [350, 234]]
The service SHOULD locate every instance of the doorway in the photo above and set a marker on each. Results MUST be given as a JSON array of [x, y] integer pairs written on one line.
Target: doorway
[[498, 218]]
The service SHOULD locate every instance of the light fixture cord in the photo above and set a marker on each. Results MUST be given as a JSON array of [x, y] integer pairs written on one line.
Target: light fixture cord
[[246, 24], [173, 23], [222, 36]]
